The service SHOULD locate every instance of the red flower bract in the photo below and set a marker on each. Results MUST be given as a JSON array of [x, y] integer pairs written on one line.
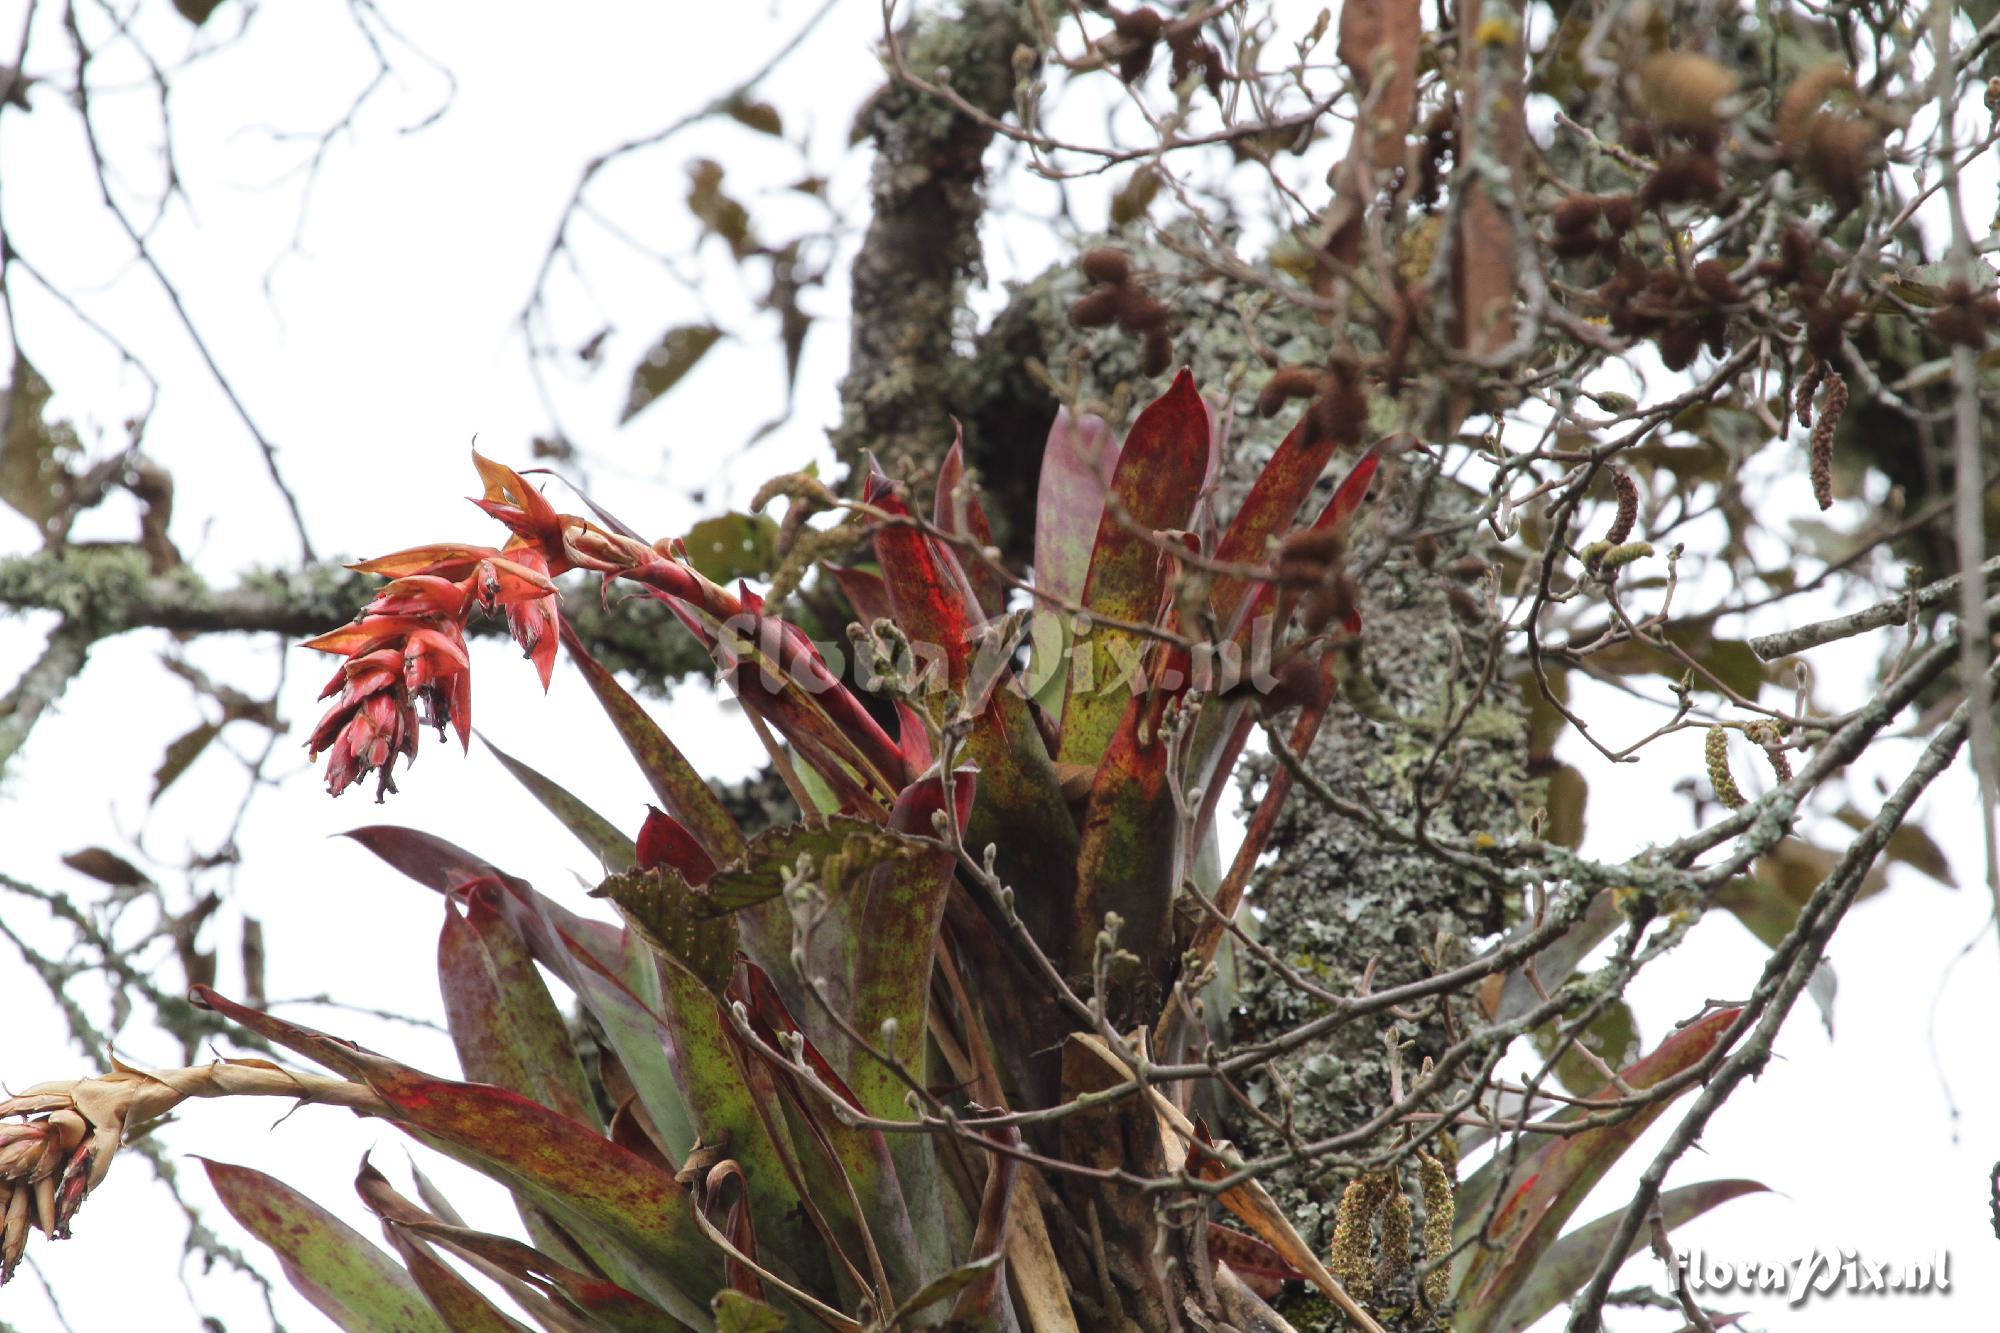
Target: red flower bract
[[406, 661]]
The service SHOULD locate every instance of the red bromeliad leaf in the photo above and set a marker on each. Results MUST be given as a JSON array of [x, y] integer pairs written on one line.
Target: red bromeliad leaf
[[345, 1277], [632, 1216], [895, 926], [833, 1159], [1571, 1260], [548, 927], [506, 1028], [461, 1305], [1161, 472], [550, 1290], [865, 591], [673, 779], [665, 841], [957, 510], [1077, 464], [1021, 808], [779, 675], [1270, 508], [1262, 1268], [1557, 1176]]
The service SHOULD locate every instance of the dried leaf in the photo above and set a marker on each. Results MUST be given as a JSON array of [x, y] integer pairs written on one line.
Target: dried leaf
[[664, 365], [108, 868], [759, 116]]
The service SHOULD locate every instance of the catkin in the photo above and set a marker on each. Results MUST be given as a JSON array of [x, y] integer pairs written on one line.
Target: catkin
[[1822, 438], [1440, 1218], [1719, 776], [1628, 508], [1394, 1260], [1767, 735], [1353, 1234]]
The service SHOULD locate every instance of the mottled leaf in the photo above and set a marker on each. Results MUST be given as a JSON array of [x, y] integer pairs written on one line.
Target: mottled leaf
[[349, 1280], [1553, 1180], [1160, 475], [504, 1024], [1571, 1260], [632, 1215], [674, 780]]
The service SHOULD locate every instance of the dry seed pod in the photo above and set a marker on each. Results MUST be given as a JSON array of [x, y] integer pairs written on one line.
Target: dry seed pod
[[1577, 245], [1712, 277], [1290, 382], [1139, 311], [1095, 308], [1839, 152], [1715, 332], [1683, 91], [1684, 178], [1467, 607], [1619, 212], [1680, 342], [1107, 263], [1425, 548], [1342, 411], [1826, 324], [1344, 597], [1716, 751], [1467, 568], [1801, 104], [1157, 354], [1576, 214], [1963, 318], [1191, 54], [1137, 33], [1314, 546]]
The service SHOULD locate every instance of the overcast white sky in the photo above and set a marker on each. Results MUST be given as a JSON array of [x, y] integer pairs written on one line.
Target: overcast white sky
[[385, 348]]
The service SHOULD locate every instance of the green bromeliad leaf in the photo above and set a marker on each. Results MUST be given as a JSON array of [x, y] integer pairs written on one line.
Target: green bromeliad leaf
[[1571, 1260], [1158, 481], [348, 1279], [593, 830], [835, 849], [632, 1217], [1554, 1180]]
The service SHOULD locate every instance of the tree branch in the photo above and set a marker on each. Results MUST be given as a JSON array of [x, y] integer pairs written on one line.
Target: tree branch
[[922, 244]]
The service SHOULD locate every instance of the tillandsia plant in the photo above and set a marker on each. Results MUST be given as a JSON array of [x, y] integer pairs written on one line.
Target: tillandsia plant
[[933, 1054]]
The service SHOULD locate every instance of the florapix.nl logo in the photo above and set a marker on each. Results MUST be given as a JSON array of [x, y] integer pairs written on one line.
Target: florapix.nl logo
[[1817, 1272]]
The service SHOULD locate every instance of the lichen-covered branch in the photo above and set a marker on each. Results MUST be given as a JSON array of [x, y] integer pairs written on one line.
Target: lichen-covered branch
[[906, 365], [106, 590]]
